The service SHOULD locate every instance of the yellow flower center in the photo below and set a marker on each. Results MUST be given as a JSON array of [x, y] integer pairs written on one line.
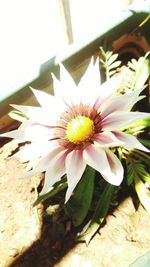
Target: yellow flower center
[[79, 129]]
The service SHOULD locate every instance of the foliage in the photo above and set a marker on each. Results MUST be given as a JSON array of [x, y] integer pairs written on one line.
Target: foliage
[[78, 205], [109, 62], [99, 214], [137, 174], [135, 168], [138, 127], [17, 115], [141, 69], [59, 186]]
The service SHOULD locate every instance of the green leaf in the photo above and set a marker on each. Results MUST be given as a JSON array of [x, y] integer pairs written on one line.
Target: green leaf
[[137, 172], [59, 186], [135, 168], [108, 54], [146, 160], [17, 115], [112, 72], [130, 174], [138, 126], [145, 142], [141, 67], [78, 205], [99, 214], [114, 65], [143, 193], [142, 72], [112, 59], [108, 60], [142, 156], [133, 64], [146, 177]]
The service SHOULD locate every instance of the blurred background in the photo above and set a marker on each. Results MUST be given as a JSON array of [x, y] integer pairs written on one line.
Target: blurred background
[[32, 31]]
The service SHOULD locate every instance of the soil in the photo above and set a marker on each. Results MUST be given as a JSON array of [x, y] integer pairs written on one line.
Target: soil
[[29, 237]]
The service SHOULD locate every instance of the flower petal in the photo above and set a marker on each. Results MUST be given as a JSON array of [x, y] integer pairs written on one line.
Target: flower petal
[[89, 85], [65, 89], [129, 141], [109, 87], [48, 102], [38, 114], [33, 133], [96, 158], [119, 103], [117, 171], [54, 172], [105, 139], [43, 98], [104, 162], [75, 166], [45, 162], [34, 150], [117, 120]]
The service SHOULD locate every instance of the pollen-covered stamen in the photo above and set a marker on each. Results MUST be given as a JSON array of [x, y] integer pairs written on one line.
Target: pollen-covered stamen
[[80, 129]]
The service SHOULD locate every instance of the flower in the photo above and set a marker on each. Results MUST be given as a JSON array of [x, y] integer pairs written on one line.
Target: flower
[[77, 127]]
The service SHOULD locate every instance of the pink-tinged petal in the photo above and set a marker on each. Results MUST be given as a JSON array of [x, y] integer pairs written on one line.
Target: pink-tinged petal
[[117, 172], [89, 85], [104, 162], [95, 157], [129, 141], [110, 87], [54, 172], [75, 166], [119, 103], [118, 120], [106, 139], [46, 161]]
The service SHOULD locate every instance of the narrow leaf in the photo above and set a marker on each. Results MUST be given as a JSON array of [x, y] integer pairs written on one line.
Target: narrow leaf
[[78, 205], [135, 168], [112, 59], [114, 65], [143, 193], [100, 213], [142, 73], [17, 115], [145, 142], [108, 54], [130, 174], [141, 67], [112, 72], [59, 186]]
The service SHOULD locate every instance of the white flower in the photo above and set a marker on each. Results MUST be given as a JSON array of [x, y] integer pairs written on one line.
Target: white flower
[[77, 127]]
